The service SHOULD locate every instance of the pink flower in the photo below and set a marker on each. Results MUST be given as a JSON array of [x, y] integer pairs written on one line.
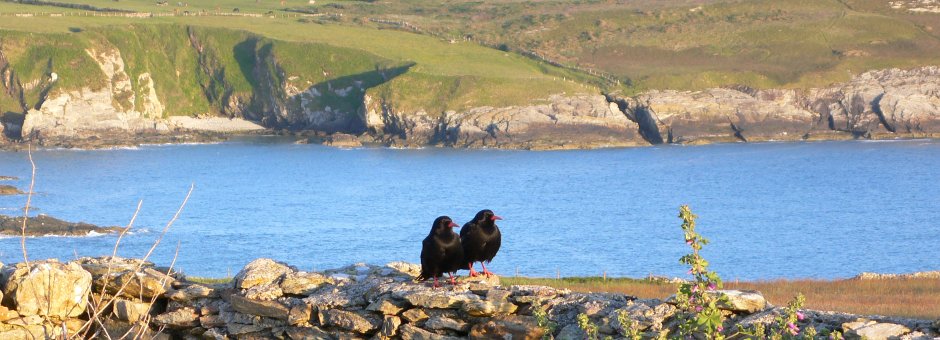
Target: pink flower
[[698, 309], [793, 329], [720, 328], [800, 316], [711, 286], [689, 242], [694, 289]]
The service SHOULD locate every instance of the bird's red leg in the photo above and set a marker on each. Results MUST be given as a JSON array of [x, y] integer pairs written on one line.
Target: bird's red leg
[[473, 273], [435, 283], [453, 280], [485, 271]]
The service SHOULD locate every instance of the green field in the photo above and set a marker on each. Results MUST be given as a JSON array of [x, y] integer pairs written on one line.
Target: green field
[[470, 53]]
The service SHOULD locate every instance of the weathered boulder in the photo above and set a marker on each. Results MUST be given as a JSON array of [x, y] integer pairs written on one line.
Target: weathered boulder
[[873, 330], [143, 284], [342, 140], [303, 333], [47, 288], [508, 326], [261, 272], [750, 301]]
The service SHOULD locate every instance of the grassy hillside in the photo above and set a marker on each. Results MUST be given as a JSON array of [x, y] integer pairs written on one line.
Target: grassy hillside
[[458, 49], [307, 53], [682, 44]]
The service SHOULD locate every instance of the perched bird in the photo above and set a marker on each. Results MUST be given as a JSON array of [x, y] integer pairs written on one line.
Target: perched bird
[[441, 251], [481, 240]]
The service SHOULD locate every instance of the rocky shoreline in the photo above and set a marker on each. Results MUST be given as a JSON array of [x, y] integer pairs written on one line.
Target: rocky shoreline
[[272, 300], [880, 104], [44, 225]]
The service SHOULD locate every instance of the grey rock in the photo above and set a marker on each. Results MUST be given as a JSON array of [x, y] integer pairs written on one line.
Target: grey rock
[[646, 317], [302, 283], [409, 332], [867, 329], [305, 333], [180, 318], [390, 326], [261, 272], [750, 301], [508, 326], [363, 323], [445, 323], [192, 292], [271, 309]]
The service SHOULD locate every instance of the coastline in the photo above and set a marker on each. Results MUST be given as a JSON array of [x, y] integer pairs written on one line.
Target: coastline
[[367, 141]]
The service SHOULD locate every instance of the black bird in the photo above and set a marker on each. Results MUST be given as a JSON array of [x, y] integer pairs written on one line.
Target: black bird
[[441, 251], [481, 240]]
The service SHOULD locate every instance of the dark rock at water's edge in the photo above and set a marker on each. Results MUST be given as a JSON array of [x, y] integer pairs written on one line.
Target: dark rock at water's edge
[[43, 225], [9, 190], [269, 299]]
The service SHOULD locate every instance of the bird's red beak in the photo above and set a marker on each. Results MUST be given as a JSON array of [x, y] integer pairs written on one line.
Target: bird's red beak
[[494, 218], [453, 225]]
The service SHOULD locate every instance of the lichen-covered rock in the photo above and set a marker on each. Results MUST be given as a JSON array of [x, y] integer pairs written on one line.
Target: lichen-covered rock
[[873, 330], [445, 323], [648, 315], [192, 292], [304, 333], [390, 326], [131, 311], [750, 301], [439, 299], [261, 272], [488, 307], [508, 326], [387, 305], [410, 332], [363, 323], [303, 283], [271, 309], [180, 318], [47, 288]]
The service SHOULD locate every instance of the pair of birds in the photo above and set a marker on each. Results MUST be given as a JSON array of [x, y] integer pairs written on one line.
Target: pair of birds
[[443, 251]]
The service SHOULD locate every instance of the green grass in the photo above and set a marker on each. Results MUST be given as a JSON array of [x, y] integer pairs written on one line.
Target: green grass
[[209, 280]]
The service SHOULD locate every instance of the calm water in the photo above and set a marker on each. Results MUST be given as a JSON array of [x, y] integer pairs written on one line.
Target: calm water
[[791, 210]]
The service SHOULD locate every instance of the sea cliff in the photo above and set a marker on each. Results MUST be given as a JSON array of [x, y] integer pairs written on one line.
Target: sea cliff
[[104, 87]]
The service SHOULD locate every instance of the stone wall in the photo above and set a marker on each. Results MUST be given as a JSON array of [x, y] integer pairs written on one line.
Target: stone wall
[[271, 300]]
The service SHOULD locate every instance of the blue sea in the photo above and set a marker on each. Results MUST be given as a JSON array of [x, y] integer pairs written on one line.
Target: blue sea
[[771, 210]]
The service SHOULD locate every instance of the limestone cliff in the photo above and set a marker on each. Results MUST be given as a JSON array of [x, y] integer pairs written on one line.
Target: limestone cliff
[[877, 104], [577, 121]]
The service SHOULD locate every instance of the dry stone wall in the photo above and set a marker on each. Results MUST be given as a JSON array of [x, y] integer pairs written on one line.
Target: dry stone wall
[[272, 300]]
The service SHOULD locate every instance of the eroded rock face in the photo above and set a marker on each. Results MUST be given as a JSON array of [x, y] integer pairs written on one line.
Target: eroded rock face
[[578, 121], [47, 288], [877, 104]]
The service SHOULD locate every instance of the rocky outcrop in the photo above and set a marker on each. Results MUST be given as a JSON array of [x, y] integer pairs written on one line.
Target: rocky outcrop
[[561, 122], [44, 225], [9, 190], [889, 103], [268, 299]]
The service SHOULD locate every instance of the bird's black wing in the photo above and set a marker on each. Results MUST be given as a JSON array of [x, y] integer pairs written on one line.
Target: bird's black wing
[[492, 245], [430, 258]]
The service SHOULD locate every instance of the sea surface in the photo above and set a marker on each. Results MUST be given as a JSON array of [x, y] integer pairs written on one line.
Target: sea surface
[[771, 210]]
